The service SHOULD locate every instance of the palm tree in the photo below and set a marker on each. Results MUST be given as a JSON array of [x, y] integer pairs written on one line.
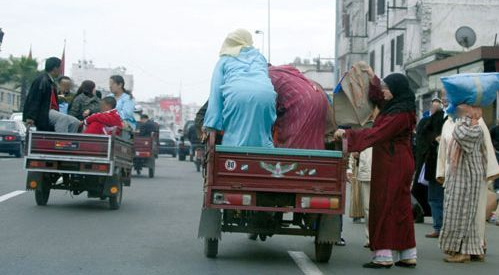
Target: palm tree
[[20, 71]]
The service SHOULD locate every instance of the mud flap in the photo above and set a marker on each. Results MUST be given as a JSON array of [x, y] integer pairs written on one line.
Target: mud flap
[[210, 224], [34, 176], [329, 229], [108, 183]]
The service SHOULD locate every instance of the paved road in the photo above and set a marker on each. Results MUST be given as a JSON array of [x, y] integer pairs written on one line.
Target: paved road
[[155, 232]]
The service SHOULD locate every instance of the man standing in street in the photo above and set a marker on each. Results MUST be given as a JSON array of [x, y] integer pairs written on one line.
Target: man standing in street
[[41, 108], [432, 131]]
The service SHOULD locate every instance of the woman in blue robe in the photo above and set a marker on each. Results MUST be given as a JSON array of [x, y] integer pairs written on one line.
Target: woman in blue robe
[[242, 100]]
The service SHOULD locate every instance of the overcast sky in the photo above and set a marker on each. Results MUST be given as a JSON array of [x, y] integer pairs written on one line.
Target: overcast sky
[[164, 43]]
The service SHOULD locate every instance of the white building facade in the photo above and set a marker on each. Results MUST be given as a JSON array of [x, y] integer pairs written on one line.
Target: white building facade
[[86, 70]]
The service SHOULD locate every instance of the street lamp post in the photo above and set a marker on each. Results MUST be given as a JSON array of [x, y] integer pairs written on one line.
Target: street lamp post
[[263, 40], [1, 38], [268, 31]]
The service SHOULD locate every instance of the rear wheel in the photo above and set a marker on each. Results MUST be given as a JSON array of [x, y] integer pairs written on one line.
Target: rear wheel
[[323, 252], [42, 194], [181, 157], [151, 172], [210, 248], [115, 201], [138, 171]]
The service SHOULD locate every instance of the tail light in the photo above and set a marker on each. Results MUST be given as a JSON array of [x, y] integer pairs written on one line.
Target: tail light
[[9, 138], [231, 199], [100, 167], [143, 154], [41, 164], [320, 202]]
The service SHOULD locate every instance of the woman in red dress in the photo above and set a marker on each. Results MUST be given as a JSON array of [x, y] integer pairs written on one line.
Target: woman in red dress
[[391, 226]]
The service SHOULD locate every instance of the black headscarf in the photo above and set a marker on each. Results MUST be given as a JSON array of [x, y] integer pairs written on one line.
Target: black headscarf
[[403, 100]]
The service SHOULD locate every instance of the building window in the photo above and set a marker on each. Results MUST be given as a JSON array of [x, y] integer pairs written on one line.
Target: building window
[[381, 7], [392, 55], [372, 60], [9, 99], [346, 24], [400, 49], [371, 13], [382, 70], [1, 97]]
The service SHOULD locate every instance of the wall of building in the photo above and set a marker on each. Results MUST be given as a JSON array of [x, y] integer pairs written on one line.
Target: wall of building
[[86, 70], [412, 31], [10, 99]]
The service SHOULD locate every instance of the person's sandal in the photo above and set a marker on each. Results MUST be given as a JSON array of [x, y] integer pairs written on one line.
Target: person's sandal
[[458, 258], [477, 258], [406, 263], [341, 242], [374, 265]]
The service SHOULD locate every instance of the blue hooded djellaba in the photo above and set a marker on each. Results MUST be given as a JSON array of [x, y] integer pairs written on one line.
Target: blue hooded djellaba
[[242, 100]]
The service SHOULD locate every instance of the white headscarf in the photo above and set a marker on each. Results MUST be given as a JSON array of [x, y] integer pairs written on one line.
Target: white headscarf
[[235, 41]]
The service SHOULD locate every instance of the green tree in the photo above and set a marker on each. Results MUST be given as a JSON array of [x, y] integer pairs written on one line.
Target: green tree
[[20, 71]]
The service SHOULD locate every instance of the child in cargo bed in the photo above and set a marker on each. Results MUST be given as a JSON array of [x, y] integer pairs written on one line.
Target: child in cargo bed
[[105, 122]]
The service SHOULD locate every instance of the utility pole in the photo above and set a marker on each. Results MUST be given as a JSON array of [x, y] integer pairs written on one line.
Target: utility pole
[[268, 31]]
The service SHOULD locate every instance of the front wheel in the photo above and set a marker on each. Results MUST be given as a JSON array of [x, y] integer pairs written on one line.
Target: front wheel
[[42, 194], [210, 248], [115, 201], [323, 252]]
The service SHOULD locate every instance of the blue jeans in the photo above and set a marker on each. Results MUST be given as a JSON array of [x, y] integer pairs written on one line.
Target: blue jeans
[[436, 201]]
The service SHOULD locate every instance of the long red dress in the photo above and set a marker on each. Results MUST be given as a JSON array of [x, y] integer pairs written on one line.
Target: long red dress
[[391, 223]]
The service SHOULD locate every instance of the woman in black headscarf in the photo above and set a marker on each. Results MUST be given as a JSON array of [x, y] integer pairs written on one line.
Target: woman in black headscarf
[[391, 226]]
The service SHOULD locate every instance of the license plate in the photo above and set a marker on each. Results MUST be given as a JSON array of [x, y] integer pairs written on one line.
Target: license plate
[[67, 145]]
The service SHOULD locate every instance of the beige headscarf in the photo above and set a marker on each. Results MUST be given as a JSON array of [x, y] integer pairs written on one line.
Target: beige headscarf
[[235, 41]]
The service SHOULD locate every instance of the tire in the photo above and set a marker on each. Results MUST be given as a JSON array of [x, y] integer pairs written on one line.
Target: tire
[[210, 248], [19, 153], [138, 171], [323, 252], [42, 194], [151, 172], [115, 201]]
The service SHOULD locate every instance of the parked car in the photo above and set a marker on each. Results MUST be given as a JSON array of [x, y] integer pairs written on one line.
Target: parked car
[[167, 143], [12, 137]]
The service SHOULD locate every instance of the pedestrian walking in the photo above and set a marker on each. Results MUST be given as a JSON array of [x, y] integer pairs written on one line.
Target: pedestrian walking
[[391, 226], [465, 172]]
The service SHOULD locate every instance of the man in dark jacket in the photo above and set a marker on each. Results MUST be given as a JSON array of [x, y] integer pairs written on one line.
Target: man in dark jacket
[[433, 130], [41, 108], [147, 126]]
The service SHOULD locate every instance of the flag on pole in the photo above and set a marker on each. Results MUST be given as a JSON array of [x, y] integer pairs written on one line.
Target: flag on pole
[[30, 54], [63, 59]]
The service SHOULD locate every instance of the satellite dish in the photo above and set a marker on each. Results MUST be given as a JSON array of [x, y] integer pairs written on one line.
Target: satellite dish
[[465, 36]]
